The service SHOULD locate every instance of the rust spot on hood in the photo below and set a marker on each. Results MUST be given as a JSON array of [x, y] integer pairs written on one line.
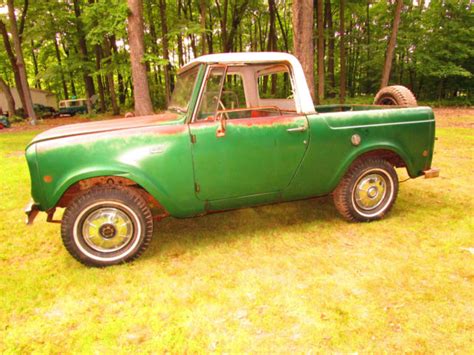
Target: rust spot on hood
[[106, 126]]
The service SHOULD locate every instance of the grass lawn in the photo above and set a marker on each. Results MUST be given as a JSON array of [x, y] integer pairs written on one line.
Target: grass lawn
[[288, 277]]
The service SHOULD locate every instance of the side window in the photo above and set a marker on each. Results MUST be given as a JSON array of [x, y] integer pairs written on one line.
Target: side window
[[233, 94], [275, 86], [210, 97]]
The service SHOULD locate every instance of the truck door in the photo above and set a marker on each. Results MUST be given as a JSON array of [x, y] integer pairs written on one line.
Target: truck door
[[246, 151]]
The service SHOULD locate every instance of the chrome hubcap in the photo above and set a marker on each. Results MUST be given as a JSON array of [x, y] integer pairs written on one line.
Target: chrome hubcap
[[370, 191], [107, 229]]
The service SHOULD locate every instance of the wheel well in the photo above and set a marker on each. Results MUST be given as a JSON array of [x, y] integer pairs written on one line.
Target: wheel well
[[82, 186], [388, 155]]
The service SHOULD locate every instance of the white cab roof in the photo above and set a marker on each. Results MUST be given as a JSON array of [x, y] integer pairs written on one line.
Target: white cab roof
[[303, 100]]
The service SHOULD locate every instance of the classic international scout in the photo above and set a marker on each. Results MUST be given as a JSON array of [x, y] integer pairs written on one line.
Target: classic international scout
[[241, 130]]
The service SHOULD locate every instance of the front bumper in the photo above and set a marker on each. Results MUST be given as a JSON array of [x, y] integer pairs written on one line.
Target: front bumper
[[31, 210]]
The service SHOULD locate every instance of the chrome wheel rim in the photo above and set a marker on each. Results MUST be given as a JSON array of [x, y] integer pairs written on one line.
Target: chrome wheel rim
[[370, 191], [107, 229]]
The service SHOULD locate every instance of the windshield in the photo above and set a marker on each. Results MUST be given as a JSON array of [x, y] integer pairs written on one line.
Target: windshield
[[183, 90]]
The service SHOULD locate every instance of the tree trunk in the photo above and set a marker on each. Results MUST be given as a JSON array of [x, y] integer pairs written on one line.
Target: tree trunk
[[202, 8], [223, 23], [210, 42], [58, 58], [179, 39], [20, 63], [237, 15], [21, 26], [303, 38], [8, 95], [320, 26], [283, 32], [391, 45], [12, 58], [110, 78], [100, 84], [121, 89], [35, 65], [191, 36], [272, 39], [342, 54], [141, 93], [368, 89], [88, 81], [330, 28], [164, 40]]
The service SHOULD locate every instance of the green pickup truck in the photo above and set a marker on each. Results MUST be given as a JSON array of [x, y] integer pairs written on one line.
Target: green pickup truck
[[241, 130]]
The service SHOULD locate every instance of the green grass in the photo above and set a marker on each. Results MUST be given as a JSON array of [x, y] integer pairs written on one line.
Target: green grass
[[288, 277]]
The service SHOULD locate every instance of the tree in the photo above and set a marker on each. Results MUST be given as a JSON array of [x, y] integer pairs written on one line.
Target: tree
[[320, 26], [13, 62], [272, 43], [20, 63], [202, 8], [66, 44], [8, 95], [330, 30], [342, 54], [89, 82], [164, 39], [391, 45], [237, 13], [141, 93], [303, 49]]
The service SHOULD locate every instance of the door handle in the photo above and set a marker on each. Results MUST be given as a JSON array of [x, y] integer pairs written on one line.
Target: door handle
[[297, 129]]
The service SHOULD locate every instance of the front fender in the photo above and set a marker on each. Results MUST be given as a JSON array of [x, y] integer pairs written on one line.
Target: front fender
[[154, 188]]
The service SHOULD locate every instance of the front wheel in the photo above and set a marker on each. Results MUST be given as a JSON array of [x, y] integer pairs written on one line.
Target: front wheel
[[107, 226], [368, 190]]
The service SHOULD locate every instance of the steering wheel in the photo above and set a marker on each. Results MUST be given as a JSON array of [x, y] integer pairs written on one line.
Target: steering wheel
[[221, 104]]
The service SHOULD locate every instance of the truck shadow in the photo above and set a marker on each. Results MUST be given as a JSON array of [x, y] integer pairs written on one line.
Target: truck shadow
[[172, 234], [174, 237]]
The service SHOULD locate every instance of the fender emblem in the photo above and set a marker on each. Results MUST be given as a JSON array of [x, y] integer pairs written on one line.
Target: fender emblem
[[355, 139], [157, 149]]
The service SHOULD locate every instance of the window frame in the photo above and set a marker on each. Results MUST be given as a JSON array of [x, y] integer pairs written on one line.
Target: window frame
[[290, 77], [203, 85]]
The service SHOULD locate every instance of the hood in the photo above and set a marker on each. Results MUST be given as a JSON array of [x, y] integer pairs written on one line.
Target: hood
[[104, 126]]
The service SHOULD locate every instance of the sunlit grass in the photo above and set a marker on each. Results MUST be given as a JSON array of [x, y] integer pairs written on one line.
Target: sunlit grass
[[287, 277]]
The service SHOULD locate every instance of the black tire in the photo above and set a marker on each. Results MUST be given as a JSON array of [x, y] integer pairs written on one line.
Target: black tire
[[368, 190], [95, 238], [395, 95]]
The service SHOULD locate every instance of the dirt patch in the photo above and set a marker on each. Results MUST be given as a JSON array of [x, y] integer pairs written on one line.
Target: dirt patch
[[461, 117], [15, 154]]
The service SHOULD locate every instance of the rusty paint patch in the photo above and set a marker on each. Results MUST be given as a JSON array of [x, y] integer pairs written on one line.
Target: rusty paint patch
[[171, 129], [264, 121], [47, 178], [254, 121]]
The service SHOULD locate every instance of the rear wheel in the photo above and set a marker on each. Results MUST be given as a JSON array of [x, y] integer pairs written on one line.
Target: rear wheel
[[395, 95], [368, 190], [107, 226]]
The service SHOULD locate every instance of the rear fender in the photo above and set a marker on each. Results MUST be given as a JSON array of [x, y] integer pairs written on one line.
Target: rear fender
[[356, 154]]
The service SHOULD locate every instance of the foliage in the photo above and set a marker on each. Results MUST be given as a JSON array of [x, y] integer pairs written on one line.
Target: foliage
[[434, 54]]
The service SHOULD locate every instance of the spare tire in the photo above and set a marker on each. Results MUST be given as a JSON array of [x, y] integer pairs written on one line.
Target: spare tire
[[395, 95]]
